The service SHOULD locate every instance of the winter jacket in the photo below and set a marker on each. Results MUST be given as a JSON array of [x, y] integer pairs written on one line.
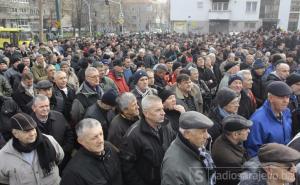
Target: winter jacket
[[22, 98], [228, 158], [107, 83], [119, 81], [86, 168], [246, 108], [257, 88], [267, 128], [73, 80], [142, 152], [253, 174], [5, 88], [216, 130], [39, 73], [182, 165], [64, 102], [100, 114], [85, 97], [15, 170], [118, 127]]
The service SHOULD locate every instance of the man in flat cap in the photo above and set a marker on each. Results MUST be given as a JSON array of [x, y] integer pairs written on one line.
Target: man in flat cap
[[30, 157], [186, 160], [228, 152], [272, 122], [277, 166], [294, 82]]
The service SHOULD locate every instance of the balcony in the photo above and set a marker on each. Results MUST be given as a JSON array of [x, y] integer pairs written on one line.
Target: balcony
[[219, 14]]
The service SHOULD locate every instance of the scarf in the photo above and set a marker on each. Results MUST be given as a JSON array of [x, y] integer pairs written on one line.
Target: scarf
[[143, 94], [28, 89], [45, 151], [223, 113]]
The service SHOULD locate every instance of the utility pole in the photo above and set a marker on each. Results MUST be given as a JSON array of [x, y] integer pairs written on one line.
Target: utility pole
[[41, 20], [90, 19], [58, 17]]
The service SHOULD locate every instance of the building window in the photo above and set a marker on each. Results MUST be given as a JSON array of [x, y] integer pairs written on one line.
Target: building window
[[220, 6], [199, 4], [251, 6], [250, 24]]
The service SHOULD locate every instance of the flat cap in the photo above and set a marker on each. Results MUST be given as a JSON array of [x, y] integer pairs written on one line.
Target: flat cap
[[229, 65], [161, 67], [44, 84], [118, 62], [233, 123], [292, 79], [279, 88], [22, 121], [274, 152], [194, 120], [225, 96]]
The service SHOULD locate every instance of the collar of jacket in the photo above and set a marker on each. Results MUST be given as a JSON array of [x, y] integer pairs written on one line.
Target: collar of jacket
[[86, 89], [146, 128], [102, 157], [188, 146], [235, 146], [267, 105], [180, 95]]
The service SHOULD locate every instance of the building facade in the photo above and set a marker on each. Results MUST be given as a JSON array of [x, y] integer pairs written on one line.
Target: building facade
[[214, 15]]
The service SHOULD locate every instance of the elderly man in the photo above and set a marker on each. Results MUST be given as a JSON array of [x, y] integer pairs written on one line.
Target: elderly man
[[159, 75], [53, 123], [88, 93], [64, 93], [272, 122], [38, 69], [103, 110], [96, 161], [228, 152], [188, 94], [150, 135], [186, 160], [129, 114], [248, 63], [30, 157], [247, 85]]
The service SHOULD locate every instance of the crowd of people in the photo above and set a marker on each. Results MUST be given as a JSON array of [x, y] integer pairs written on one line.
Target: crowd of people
[[152, 109]]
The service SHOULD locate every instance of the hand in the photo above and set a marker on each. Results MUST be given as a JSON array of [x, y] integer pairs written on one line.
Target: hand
[[179, 108]]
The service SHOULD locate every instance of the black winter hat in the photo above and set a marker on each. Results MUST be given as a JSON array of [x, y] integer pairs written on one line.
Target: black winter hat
[[118, 62], [292, 79], [139, 74], [233, 78], [109, 97], [225, 96], [258, 64], [21, 67], [22, 121], [164, 94], [176, 65], [229, 65]]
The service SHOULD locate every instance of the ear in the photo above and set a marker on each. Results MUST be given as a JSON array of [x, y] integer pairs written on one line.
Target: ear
[[79, 140], [14, 133]]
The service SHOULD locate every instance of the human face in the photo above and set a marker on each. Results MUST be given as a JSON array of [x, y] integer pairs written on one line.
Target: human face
[[65, 68], [15, 65], [208, 62], [26, 70], [169, 66], [243, 134], [282, 173], [3, 67], [41, 108], [92, 140], [155, 114], [25, 137], [249, 59], [278, 103], [93, 78], [236, 85], [46, 92], [143, 83], [40, 61], [234, 69], [198, 137], [233, 106], [150, 78], [195, 76], [260, 71], [185, 86], [170, 102], [200, 62], [296, 88], [132, 110], [26, 62], [28, 83], [283, 71], [51, 71], [247, 81], [61, 80], [127, 62], [119, 69], [101, 71]]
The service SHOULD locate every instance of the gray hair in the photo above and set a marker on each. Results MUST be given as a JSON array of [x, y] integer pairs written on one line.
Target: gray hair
[[85, 124], [243, 73], [89, 70], [38, 98], [58, 73], [193, 70], [148, 101], [124, 100]]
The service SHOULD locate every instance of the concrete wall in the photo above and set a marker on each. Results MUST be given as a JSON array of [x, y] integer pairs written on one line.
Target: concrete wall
[[283, 15], [238, 8]]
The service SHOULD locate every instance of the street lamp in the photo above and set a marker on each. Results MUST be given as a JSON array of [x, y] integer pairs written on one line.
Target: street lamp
[[90, 20]]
